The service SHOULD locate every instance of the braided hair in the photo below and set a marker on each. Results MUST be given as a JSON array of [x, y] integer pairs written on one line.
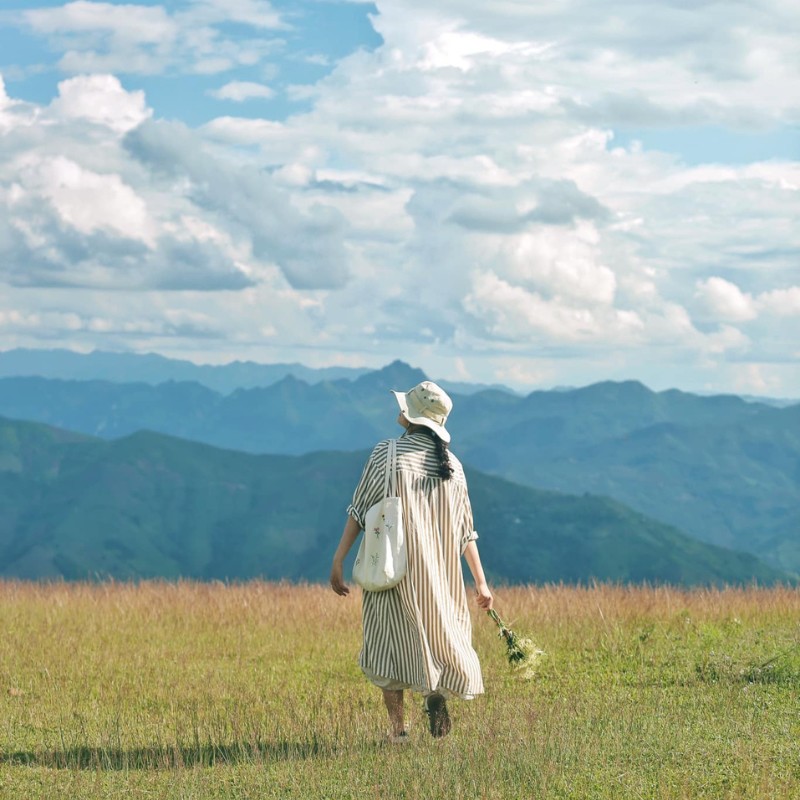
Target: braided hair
[[443, 456]]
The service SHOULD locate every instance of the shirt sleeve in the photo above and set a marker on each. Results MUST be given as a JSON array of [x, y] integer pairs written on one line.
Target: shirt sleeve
[[370, 487], [468, 532]]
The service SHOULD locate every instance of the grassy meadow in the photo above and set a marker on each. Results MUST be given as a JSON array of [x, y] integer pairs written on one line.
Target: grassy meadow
[[187, 690]]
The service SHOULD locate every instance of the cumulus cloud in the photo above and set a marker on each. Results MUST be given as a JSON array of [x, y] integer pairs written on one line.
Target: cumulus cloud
[[686, 57], [726, 300], [83, 219], [239, 91], [502, 211], [512, 313], [173, 217], [565, 263], [85, 200], [457, 191], [40, 248], [783, 302], [308, 246], [101, 99]]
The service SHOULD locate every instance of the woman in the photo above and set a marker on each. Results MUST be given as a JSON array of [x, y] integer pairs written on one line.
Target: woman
[[418, 634]]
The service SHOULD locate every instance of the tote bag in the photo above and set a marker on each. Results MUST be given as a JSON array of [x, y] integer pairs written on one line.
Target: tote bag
[[381, 561]]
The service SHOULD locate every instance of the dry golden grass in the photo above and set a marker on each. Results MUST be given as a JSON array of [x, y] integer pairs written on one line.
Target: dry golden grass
[[192, 690]]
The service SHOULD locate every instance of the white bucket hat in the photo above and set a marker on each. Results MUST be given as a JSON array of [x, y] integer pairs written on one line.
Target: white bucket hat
[[426, 404]]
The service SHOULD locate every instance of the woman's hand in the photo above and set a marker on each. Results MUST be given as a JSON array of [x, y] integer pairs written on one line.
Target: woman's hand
[[350, 533], [337, 580], [483, 596]]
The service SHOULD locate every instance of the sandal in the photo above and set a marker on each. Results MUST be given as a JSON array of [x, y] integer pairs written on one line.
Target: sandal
[[438, 718]]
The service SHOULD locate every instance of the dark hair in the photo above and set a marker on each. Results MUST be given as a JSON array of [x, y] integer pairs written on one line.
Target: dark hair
[[445, 467]]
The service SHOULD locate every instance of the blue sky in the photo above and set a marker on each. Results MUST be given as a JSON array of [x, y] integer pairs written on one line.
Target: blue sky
[[536, 194], [311, 37], [704, 145]]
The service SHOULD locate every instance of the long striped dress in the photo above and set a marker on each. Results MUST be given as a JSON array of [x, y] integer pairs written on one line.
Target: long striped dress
[[418, 635]]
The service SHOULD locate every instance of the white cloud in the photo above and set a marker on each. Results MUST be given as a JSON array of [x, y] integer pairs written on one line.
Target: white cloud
[[102, 100], [307, 245], [255, 13], [88, 201], [759, 379], [725, 339], [564, 262], [684, 58], [239, 91], [726, 300], [461, 49], [77, 210], [131, 38], [782, 302], [524, 374], [240, 131], [126, 23], [458, 193], [14, 113], [514, 313]]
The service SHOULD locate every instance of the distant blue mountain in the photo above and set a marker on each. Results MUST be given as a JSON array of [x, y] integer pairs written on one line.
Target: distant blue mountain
[[721, 469], [153, 369]]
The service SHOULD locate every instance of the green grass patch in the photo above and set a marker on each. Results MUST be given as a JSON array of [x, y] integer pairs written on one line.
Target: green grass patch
[[252, 691]]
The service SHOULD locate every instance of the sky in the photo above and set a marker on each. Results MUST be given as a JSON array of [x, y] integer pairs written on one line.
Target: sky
[[536, 194]]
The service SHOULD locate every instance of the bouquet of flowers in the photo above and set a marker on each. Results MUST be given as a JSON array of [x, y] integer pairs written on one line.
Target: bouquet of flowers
[[523, 654]]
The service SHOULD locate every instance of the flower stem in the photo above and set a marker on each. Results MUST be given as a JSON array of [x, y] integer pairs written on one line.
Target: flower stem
[[504, 631], [493, 614]]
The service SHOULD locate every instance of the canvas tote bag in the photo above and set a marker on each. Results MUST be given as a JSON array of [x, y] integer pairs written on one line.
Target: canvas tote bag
[[381, 560]]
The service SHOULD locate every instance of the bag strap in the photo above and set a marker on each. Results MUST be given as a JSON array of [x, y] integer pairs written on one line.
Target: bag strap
[[389, 481]]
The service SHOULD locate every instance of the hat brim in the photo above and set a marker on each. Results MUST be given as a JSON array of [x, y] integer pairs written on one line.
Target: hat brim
[[439, 430]]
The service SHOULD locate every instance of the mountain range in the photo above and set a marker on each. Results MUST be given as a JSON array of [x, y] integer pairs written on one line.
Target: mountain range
[[723, 470], [150, 505], [153, 368]]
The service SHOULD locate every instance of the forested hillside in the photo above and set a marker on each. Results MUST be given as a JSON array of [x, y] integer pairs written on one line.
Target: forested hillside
[[149, 505]]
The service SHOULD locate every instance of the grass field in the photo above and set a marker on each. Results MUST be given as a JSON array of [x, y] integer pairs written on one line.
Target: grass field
[[252, 691]]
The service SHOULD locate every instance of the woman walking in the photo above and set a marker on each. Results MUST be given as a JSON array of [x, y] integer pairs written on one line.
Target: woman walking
[[418, 634]]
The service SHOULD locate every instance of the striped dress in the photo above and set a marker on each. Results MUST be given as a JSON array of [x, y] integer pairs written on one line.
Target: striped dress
[[418, 634]]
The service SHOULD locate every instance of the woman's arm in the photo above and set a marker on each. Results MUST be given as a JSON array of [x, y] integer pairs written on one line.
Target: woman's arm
[[484, 596], [350, 533]]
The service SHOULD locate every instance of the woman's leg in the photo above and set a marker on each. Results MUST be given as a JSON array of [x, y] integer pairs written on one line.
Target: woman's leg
[[393, 698]]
